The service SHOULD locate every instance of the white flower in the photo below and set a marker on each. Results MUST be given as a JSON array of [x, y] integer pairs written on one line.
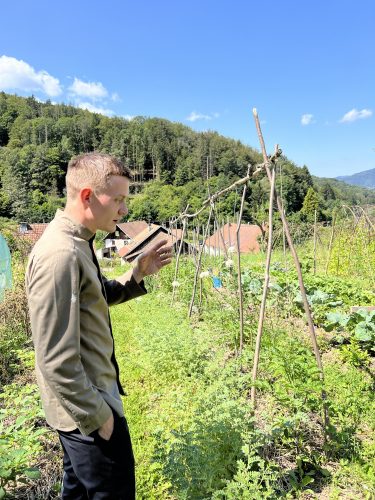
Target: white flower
[[228, 263], [204, 274], [231, 250], [175, 284]]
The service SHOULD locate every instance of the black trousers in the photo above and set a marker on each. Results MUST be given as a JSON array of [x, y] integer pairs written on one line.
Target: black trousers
[[97, 469]]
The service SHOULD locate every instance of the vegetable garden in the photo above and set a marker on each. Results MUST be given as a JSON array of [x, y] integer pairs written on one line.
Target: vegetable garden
[[195, 431], [187, 353]]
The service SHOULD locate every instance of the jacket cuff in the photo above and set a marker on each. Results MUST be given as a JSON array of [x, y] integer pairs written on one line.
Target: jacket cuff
[[92, 422], [139, 288]]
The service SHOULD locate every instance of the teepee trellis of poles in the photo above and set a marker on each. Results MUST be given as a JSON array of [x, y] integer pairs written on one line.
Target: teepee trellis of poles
[[269, 166]]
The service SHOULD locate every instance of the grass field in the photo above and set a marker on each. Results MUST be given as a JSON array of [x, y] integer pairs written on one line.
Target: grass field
[[195, 433]]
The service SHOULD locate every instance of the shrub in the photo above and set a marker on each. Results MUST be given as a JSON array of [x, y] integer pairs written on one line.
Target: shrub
[[14, 330], [20, 435]]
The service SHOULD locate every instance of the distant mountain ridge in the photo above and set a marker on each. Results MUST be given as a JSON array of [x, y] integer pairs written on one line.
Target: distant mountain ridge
[[363, 179]]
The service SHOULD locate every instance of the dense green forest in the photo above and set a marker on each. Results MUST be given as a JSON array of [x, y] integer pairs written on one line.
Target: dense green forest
[[169, 161]]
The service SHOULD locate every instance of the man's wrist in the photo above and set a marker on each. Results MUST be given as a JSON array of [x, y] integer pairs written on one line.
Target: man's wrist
[[137, 274]]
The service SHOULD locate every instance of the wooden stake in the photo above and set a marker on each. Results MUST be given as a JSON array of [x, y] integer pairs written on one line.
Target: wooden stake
[[240, 292], [282, 203], [314, 342], [228, 225], [178, 257], [315, 238], [198, 266], [265, 289], [220, 236]]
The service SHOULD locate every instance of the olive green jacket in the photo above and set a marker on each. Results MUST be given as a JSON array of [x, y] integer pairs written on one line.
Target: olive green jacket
[[68, 302]]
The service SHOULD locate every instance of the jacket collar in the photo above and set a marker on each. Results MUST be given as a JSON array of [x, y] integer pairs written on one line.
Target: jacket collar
[[79, 229]]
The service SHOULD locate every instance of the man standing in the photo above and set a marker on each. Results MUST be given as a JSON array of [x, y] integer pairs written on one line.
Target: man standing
[[68, 300]]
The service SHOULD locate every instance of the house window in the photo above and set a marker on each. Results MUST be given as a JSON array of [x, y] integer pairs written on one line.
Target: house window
[[110, 243], [24, 227]]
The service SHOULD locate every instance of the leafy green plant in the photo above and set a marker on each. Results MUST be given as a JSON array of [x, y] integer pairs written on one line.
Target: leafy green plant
[[20, 436], [361, 325], [255, 477], [364, 330], [197, 460], [320, 301], [14, 325], [353, 354]]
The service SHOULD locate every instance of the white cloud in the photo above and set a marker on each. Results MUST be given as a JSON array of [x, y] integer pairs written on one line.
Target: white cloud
[[307, 119], [355, 114], [18, 75], [91, 90], [115, 97], [194, 116], [95, 109], [129, 117]]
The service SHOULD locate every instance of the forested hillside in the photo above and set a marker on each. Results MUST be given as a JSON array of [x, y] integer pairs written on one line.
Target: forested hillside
[[169, 161]]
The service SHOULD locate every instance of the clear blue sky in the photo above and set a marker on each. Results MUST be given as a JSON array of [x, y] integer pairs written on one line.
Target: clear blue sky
[[307, 66]]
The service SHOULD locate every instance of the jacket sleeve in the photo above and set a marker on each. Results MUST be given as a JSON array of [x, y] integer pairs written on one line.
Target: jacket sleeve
[[117, 292], [53, 296]]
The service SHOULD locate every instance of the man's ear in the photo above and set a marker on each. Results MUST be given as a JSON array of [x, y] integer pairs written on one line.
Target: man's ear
[[85, 196]]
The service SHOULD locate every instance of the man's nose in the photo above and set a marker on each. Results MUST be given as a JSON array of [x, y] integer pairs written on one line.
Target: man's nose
[[123, 209]]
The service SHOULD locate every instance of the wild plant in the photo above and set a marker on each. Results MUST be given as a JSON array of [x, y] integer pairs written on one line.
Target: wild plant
[[14, 329], [20, 435]]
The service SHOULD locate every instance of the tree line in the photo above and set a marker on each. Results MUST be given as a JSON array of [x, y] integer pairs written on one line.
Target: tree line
[[170, 161]]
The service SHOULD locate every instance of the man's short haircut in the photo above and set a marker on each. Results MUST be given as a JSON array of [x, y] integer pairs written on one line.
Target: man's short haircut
[[93, 170]]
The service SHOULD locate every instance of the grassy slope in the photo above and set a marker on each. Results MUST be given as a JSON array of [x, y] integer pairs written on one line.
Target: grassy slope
[[166, 368], [188, 405], [190, 417]]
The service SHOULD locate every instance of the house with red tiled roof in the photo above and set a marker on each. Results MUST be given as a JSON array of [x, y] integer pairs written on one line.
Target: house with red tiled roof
[[127, 231], [249, 239], [148, 237], [123, 235], [31, 232], [130, 234]]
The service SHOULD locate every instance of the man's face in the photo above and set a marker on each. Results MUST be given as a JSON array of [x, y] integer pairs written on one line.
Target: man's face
[[109, 206]]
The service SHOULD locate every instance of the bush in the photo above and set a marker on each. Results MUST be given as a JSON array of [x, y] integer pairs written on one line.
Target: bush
[[20, 435], [14, 330]]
